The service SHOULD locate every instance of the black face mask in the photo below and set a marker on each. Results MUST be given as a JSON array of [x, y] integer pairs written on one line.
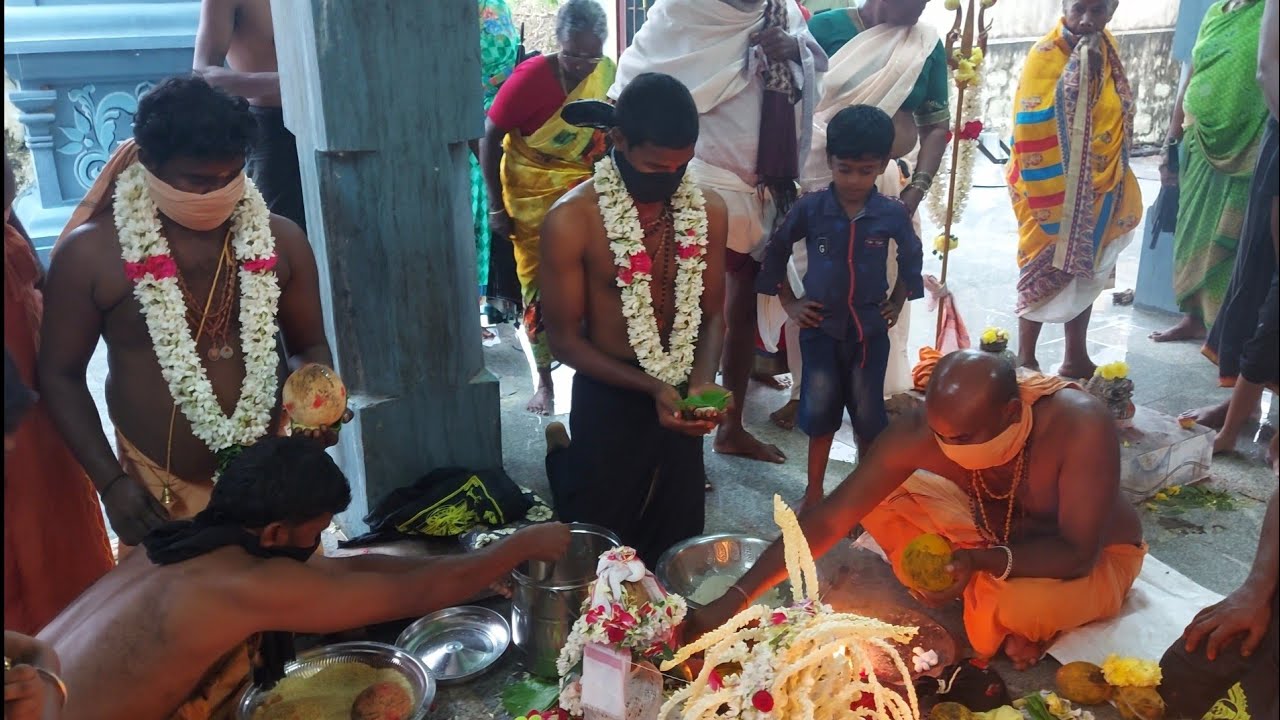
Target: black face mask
[[647, 187]]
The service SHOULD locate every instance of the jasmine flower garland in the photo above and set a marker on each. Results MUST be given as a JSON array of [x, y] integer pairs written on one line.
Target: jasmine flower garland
[[150, 265]]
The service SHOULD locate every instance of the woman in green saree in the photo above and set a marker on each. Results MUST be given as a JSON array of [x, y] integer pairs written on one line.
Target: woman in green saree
[[499, 43], [1219, 120]]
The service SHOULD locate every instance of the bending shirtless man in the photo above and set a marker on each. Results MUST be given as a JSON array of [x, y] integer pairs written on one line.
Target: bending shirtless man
[[1073, 548], [236, 51], [191, 141], [186, 612]]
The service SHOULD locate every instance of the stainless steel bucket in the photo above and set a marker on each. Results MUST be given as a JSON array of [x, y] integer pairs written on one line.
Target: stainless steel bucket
[[548, 597]]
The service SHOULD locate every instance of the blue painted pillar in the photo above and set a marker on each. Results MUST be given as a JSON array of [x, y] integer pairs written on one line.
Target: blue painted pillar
[[383, 96]]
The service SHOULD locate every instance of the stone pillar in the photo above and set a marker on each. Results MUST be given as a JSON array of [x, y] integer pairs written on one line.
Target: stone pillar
[[383, 96]]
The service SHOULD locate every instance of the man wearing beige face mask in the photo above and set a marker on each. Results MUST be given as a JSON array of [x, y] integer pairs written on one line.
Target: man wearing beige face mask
[[1021, 476], [175, 261]]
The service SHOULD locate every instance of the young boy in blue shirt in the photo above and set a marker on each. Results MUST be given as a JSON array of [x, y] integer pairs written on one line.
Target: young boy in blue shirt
[[847, 308]]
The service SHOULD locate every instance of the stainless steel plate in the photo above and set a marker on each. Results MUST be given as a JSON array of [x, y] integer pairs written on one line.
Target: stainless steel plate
[[685, 566], [376, 655], [457, 643]]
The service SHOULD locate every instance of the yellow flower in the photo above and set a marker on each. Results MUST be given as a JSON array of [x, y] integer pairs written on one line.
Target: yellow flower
[[952, 5], [976, 57], [1114, 371], [940, 241], [1161, 496], [1131, 672], [966, 73], [993, 335], [1055, 705], [1173, 489]]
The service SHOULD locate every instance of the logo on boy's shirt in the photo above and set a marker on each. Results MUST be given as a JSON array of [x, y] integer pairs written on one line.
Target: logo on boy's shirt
[[876, 242]]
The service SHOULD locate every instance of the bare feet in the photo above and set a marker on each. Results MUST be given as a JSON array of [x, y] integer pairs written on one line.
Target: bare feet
[[486, 334], [1223, 444], [774, 382], [557, 437], [1030, 363], [542, 402], [1188, 328], [1078, 370], [809, 502], [1022, 652], [1210, 416], [785, 416], [741, 443]]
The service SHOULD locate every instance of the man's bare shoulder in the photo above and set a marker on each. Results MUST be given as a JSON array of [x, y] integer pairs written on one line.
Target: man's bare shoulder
[[573, 216], [291, 241], [1078, 408], [713, 203], [94, 246]]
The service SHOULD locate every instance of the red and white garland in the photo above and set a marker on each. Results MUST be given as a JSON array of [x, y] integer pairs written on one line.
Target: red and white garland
[[149, 264], [635, 273]]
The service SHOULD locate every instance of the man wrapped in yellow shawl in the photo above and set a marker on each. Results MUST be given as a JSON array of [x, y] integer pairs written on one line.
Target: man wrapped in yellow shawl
[[1075, 196]]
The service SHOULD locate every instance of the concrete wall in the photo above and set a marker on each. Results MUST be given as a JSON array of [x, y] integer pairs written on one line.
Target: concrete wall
[[1152, 73]]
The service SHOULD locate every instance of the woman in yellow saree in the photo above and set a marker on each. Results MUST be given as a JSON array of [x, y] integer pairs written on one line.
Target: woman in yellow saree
[[531, 157]]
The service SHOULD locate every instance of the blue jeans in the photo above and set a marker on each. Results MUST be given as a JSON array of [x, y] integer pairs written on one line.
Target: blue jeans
[[842, 375]]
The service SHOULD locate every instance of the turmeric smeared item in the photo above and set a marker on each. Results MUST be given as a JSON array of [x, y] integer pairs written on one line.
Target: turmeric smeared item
[[950, 711], [924, 562], [1139, 703], [1082, 682]]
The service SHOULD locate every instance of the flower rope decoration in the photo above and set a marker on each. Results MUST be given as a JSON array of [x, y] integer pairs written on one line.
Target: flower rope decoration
[[635, 273], [149, 264], [803, 662], [969, 135]]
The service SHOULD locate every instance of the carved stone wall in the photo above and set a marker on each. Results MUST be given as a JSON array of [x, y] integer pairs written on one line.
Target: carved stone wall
[[78, 70]]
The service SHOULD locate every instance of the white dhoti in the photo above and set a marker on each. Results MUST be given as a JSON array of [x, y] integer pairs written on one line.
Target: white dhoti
[[1080, 293], [750, 211]]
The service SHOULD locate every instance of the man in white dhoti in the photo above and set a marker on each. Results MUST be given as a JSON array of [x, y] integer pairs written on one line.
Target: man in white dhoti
[[881, 55], [751, 66]]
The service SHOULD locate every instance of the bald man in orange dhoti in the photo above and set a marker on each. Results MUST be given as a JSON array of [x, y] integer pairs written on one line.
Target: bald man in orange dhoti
[[1044, 540]]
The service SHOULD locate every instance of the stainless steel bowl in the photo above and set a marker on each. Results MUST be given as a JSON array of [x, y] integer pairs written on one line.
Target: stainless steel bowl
[[457, 643], [685, 566], [376, 655]]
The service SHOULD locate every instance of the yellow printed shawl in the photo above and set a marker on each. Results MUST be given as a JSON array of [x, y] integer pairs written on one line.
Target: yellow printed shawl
[[1072, 198]]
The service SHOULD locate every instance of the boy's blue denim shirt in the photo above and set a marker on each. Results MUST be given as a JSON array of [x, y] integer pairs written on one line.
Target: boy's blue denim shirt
[[848, 259]]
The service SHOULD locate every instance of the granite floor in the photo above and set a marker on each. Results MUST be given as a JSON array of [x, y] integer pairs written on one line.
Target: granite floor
[[1214, 548]]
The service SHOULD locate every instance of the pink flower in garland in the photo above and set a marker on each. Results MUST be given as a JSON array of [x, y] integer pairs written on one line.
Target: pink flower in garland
[[762, 701], [265, 264], [715, 682], [639, 264], [778, 617], [159, 267], [617, 627], [688, 252], [972, 130]]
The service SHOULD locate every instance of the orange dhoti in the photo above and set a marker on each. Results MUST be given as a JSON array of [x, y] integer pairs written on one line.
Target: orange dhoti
[[1037, 609]]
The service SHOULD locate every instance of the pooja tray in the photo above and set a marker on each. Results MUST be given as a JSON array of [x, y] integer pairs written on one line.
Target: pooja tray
[[457, 643], [929, 636], [373, 654]]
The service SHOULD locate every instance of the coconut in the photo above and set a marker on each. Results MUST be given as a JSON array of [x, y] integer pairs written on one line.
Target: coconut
[[1139, 703], [924, 562], [314, 397], [1083, 682]]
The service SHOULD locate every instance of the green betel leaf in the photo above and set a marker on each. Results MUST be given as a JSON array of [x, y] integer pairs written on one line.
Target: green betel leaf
[[714, 399], [529, 694]]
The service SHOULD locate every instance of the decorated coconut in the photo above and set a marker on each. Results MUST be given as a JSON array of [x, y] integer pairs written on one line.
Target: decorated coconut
[[995, 340], [1111, 384], [314, 397]]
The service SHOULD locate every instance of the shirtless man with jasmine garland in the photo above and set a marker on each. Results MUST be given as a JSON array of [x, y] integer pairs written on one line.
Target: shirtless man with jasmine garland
[[199, 256], [633, 295]]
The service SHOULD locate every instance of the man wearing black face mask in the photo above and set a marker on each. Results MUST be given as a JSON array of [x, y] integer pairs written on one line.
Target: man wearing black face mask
[[633, 289], [175, 632]]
